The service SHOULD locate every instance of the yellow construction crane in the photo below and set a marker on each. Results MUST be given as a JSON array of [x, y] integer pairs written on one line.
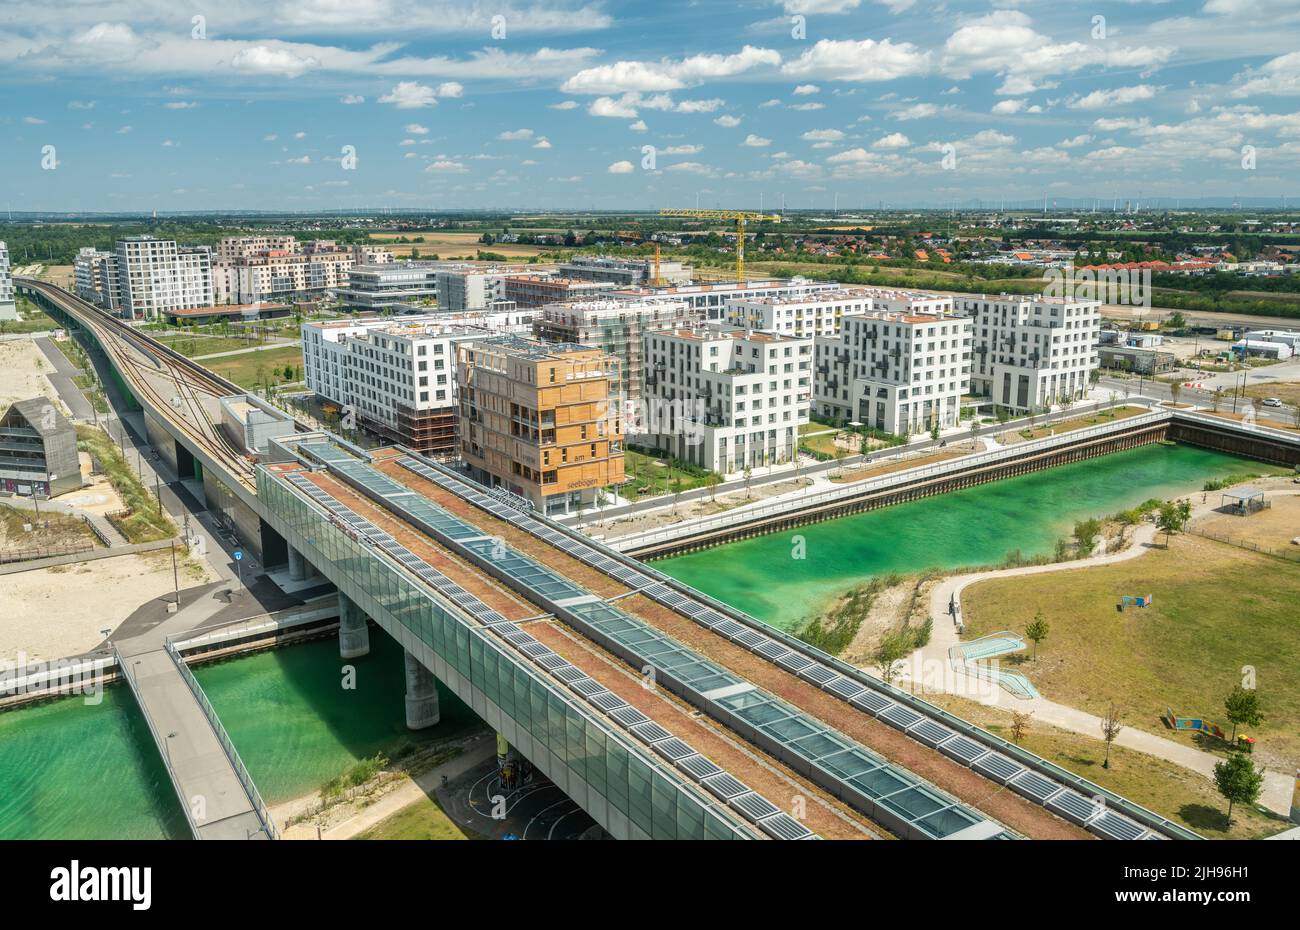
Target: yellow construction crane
[[740, 216]]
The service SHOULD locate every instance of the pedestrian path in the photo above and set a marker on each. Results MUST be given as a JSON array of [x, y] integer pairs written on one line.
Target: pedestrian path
[[945, 611]]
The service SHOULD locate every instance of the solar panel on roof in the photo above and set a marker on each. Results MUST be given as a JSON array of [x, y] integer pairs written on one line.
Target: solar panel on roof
[[753, 806]]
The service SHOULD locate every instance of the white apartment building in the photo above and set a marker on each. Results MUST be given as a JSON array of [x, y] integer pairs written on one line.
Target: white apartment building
[[726, 398], [900, 371], [8, 303], [398, 379], [155, 275], [95, 274], [710, 300], [1030, 352], [254, 269]]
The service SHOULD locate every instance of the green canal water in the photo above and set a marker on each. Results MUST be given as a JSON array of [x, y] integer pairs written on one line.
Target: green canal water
[[72, 770], [976, 526], [69, 770]]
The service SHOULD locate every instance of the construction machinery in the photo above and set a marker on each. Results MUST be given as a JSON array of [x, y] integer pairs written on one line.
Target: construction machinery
[[740, 217]]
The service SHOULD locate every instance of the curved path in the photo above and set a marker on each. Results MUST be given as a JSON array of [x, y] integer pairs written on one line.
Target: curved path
[[923, 663]]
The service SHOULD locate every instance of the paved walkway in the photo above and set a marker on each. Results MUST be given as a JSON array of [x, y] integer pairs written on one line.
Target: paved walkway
[[61, 379], [265, 347], [1277, 785]]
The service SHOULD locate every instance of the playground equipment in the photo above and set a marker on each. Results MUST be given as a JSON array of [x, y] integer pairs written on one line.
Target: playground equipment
[[1197, 724], [1135, 600]]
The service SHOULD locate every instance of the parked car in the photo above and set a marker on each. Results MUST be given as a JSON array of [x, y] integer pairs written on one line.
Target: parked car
[[1272, 402]]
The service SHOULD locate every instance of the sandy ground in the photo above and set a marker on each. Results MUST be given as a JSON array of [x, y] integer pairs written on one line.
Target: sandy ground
[[55, 612], [98, 498], [1271, 529], [23, 368]]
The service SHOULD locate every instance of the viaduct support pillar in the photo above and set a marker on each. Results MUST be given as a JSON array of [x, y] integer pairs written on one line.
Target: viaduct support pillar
[[354, 635], [421, 695], [297, 565]]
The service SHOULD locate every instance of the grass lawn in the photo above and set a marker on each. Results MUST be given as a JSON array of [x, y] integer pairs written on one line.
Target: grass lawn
[[147, 522], [252, 369], [1217, 609], [1179, 794], [646, 477], [192, 345], [824, 444], [420, 820], [1092, 419]]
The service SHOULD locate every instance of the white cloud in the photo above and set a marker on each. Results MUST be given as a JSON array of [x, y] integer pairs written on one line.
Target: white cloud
[[1009, 106], [666, 74], [621, 167], [542, 143], [416, 129], [728, 122], [682, 150], [1115, 97], [263, 59], [756, 142], [639, 126], [615, 109], [774, 102], [808, 106], [859, 60], [33, 121], [516, 135], [81, 104], [565, 105], [410, 95], [916, 111], [822, 135], [351, 99], [445, 166], [803, 90], [895, 140], [451, 89]]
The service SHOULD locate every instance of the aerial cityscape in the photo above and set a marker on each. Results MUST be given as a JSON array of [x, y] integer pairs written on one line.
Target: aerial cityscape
[[765, 419]]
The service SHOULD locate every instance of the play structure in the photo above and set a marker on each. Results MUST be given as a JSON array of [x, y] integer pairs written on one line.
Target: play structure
[[1196, 724], [1136, 600]]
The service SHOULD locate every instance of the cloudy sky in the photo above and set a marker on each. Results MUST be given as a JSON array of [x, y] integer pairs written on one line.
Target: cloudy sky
[[441, 104]]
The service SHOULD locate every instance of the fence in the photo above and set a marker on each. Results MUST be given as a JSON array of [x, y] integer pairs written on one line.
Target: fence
[[8, 556], [1289, 554], [223, 737]]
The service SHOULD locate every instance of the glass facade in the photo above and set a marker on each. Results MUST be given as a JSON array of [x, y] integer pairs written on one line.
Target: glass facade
[[623, 789]]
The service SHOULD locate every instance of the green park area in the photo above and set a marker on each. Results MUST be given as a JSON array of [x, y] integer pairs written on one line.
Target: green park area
[[266, 367], [423, 819], [648, 475], [1220, 614]]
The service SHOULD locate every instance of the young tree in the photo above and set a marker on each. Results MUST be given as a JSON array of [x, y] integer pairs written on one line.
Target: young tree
[[890, 653], [1243, 707], [749, 473], [1037, 631], [1175, 389], [1238, 781], [1019, 725], [1172, 518], [713, 480], [1110, 729]]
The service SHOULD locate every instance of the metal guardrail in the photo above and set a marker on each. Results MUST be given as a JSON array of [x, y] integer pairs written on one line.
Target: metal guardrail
[[904, 476], [254, 796], [128, 675], [1209, 419]]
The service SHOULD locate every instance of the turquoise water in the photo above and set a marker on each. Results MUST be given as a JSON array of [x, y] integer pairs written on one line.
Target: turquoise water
[[73, 771], [976, 526]]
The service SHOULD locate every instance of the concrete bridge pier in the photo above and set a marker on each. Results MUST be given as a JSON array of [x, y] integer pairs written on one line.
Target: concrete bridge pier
[[422, 709], [298, 566], [354, 635]]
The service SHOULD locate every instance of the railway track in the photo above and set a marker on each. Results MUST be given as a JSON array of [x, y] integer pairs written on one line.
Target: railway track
[[143, 362]]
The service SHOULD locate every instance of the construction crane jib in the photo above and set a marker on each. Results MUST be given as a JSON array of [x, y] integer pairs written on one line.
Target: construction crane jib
[[740, 217]]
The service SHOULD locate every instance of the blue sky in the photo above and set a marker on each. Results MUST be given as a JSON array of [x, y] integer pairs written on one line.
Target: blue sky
[[453, 104]]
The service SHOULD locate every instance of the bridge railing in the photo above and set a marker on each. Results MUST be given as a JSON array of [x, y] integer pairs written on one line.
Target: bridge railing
[[1254, 429], [254, 796], [904, 476], [125, 669]]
